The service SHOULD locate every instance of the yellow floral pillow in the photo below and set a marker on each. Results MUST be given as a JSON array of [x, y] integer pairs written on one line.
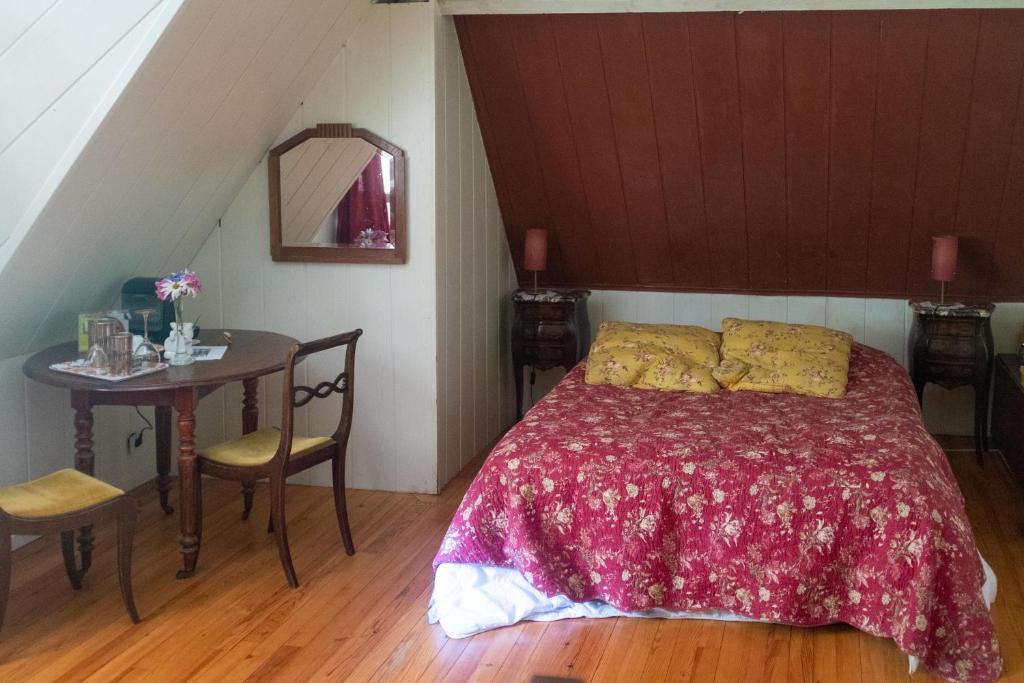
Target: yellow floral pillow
[[665, 357], [783, 358]]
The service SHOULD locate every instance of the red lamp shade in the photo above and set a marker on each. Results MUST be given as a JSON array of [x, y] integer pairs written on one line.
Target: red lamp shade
[[944, 248], [536, 250]]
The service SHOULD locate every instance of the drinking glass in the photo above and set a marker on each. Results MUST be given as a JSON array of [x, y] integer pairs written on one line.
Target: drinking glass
[[146, 356]]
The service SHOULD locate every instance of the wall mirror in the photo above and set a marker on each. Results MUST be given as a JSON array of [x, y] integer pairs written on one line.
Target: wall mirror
[[337, 194]]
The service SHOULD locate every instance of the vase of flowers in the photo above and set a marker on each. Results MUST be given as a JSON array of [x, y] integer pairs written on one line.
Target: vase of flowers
[[176, 287]]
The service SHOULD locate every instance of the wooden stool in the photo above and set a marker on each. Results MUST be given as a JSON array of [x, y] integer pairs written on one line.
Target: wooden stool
[[65, 501]]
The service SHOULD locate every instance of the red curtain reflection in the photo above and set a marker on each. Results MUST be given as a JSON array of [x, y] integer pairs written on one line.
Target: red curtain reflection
[[365, 206]]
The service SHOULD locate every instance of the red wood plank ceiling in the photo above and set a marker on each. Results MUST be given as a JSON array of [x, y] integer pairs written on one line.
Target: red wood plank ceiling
[[763, 152]]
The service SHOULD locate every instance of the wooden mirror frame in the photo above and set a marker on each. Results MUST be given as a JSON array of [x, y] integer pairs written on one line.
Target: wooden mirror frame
[[328, 253]]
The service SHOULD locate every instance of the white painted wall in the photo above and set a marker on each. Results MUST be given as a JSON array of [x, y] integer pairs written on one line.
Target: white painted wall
[[383, 80], [475, 276], [882, 323], [63, 63], [162, 167], [146, 178]]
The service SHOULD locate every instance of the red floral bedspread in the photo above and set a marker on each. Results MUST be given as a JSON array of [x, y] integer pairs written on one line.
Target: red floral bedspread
[[782, 508]]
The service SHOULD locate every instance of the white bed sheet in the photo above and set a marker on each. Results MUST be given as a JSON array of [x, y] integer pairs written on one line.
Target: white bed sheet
[[472, 598]]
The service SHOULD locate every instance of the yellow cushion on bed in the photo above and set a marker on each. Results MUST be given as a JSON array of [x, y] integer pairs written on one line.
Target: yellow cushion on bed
[[784, 358], [664, 357], [259, 447], [59, 493]]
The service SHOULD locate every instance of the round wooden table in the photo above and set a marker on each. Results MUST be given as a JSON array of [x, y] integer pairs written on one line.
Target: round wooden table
[[251, 355]]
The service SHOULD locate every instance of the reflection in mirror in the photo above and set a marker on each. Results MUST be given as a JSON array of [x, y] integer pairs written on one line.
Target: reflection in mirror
[[338, 192]]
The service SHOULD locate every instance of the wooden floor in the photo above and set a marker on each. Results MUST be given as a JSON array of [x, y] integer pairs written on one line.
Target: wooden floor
[[362, 618]]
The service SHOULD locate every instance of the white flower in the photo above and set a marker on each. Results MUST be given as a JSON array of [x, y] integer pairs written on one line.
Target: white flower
[[718, 495], [854, 597], [877, 476], [666, 482], [712, 577], [743, 595], [801, 589], [936, 517], [886, 599], [689, 467], [846, 494], [753, 489], [595, 577], [764, 594], [526, 491], [921, 623], [657, 593], [610, 498], [678, 582], [626, 575], [513, 463], [580, 477], [648, 524], [548, 485], [632, 490], [810, 502], [902, 509]]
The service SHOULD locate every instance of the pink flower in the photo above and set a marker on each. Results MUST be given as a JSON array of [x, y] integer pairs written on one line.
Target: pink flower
[[177, 285]]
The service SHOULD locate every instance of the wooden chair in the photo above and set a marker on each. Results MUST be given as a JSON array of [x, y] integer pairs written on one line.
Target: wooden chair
[[277, 454], [64, 501]]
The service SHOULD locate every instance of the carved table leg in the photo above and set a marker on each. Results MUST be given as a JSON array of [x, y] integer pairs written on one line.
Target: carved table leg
[[163, 455], [85, 458], [188, 481], [250, 423], [85, 461]]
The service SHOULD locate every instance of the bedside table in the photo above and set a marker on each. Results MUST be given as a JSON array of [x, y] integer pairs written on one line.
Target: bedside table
[[952, 347], [550, 329], [1008, 413]]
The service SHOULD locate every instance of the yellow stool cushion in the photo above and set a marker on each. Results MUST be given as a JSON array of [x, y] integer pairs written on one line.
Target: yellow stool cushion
[[258, 448], [60, 493]]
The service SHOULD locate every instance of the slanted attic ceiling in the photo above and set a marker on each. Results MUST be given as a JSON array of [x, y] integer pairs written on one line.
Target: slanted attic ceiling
[[149, 185]]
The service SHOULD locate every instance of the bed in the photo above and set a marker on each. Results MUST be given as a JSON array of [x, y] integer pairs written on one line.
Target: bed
[[789, 509]]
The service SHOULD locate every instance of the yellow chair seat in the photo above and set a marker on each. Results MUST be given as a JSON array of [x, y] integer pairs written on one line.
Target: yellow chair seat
[[258, 448], [60, 493]]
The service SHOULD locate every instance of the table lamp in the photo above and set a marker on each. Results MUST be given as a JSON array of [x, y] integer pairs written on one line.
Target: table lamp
[[944, 250], [536, 258]]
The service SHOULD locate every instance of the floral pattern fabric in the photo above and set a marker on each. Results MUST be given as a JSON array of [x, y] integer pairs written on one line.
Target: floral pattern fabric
[[663, 357], [784, 358], [783, 508]]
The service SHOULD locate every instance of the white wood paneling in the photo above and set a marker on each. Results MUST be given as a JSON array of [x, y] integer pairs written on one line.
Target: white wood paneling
[[62, 65], [379, 81], [881, 323], [168, 158], [128, 168], [474, 275]]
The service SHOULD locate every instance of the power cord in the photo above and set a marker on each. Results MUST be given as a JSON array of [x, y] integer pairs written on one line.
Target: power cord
[[135, 438]]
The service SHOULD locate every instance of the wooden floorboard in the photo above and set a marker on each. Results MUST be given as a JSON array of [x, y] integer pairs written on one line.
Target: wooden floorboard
[[362, 618]]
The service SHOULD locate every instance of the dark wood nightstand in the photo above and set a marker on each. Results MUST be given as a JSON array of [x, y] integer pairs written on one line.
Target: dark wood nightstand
[[952, 347], [550, 330], [1008, 413]]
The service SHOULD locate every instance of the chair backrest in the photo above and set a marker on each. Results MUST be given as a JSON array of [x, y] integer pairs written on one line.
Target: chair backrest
[[296, 396]]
